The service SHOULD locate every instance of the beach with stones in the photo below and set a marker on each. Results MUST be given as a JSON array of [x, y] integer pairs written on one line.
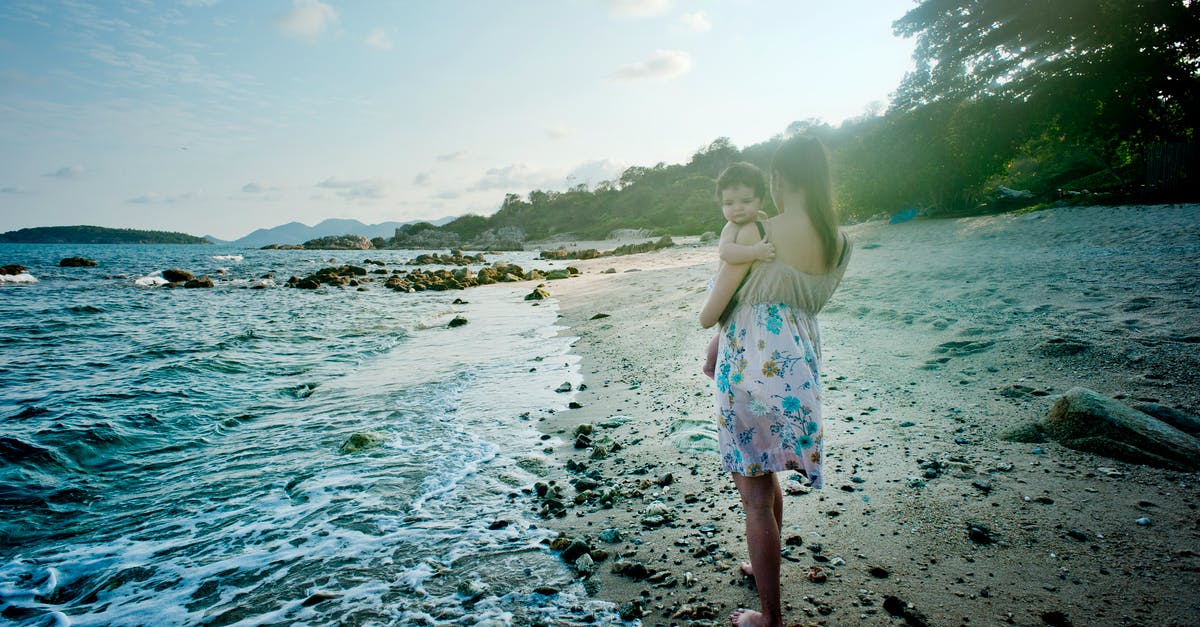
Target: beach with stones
[[944, 338]]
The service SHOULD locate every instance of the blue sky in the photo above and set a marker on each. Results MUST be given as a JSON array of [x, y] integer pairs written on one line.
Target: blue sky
[[219, 117]]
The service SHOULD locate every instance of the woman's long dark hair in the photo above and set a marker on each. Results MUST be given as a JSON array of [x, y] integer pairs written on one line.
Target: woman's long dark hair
[[803, 163]]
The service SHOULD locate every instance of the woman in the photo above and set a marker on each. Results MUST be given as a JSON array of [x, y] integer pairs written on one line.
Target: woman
[[769, 356]]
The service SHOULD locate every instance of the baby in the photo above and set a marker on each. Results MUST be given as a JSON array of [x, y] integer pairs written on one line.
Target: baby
[[741, 189]]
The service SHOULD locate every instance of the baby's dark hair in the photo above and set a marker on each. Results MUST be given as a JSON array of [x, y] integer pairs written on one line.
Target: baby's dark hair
[[742, 173]]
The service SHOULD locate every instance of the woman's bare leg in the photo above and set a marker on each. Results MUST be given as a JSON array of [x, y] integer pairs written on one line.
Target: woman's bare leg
[[759, 498], [747, 567]]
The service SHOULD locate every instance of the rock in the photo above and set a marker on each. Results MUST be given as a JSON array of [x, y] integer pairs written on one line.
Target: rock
[[306, 284], [76, 262], [1029, 432], [574, 405], [1143, 521], [897, 607], [1055, 618], [199, 283], [1078, 535], [12, 269], [979, 534], [575, 549], [631, 611], [878, 571], [546, 590], [982, 485], [585, 564], [816, 574], [611, 535], [537, 294], [565, 386], [908, 423], [583, 428], [362, 441], [634, 570], [339, 242], [598, 316], [610, 271], [665, 480], [557, 274], [708, 236], [458, 321], [1084, 420], [1185, 422], [471, 589], [177, 276]]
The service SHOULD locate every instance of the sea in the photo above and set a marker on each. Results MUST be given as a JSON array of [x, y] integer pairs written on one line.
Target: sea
[[173, 456]]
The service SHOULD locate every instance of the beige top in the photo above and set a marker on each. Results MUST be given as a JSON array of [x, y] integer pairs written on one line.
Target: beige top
[[778, 282]]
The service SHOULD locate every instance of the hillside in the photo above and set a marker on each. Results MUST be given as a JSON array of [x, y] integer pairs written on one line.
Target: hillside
[[298, 232], [83, 234]]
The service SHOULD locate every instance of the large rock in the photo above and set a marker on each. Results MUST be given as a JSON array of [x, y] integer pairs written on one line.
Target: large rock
[[1086, 421], [76, 262], [177, 276], [339, 242]]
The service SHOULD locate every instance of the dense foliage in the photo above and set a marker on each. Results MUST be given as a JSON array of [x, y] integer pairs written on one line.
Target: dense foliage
[[1062, 99], [96, 235]]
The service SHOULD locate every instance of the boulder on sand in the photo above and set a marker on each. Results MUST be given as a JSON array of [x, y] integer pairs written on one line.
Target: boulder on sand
[[1087, 421]]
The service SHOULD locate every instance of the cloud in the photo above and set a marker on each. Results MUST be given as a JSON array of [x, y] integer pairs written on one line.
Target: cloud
[[662, 65], [453, 156], [592, 172], [559, 131], [448, 195], [379, 40], [516, 176], [307, 18], [696, 22], [252, 188], [354, 189], [637, 8], [155, 198], [13, 190], [423, 178], [67, 172]]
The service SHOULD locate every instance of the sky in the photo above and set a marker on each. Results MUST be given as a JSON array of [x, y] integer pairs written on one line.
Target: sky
[[216, 117]]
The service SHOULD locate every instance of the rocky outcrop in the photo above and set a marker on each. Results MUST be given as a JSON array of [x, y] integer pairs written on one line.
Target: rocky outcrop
[[336, 276], [591, 253], [454, 258], [177, 276], [76, 262], [201, 282], [1087, 421], [12, 270], [339, 242], [361, 441]]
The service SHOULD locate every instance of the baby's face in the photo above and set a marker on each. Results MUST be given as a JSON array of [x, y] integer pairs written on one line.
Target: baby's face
[[740, 204]]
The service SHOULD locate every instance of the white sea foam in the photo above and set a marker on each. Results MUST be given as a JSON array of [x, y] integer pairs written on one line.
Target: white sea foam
[[154, 279], [227, 257], [24, 277]]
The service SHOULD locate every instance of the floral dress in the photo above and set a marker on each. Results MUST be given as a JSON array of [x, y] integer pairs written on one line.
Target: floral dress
[[768, 386]]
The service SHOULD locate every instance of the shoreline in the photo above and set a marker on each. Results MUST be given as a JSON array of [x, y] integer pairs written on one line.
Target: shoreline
[[942, 334]]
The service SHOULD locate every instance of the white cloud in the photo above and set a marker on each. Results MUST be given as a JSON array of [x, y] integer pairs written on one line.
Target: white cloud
[[252, 188], [154, 198], [355, 189], [592, 172], [307, 18], [662, 65], [423, 178], [13, 190], [379, 40], [67, 172], [637, 8], [453, 156], [517, 176], [559, 131], [448, 195], [696, 22]]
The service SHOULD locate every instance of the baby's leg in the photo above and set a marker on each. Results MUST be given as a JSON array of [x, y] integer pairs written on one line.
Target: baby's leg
[[710, 358]]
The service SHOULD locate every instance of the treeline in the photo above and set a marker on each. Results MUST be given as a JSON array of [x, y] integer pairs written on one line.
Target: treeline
[[96, 235], [1045, 101]]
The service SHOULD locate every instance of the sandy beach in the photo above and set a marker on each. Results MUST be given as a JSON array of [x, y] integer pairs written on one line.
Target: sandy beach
[[943, 333]]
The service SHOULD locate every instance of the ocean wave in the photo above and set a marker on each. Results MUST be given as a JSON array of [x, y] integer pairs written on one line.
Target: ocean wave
[[227, 257], [23, 278]]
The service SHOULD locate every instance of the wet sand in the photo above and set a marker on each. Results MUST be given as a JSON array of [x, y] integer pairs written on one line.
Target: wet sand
[[942, 334]]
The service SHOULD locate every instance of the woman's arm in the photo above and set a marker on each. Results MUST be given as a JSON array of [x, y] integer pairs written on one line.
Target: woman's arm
[[729, 277]]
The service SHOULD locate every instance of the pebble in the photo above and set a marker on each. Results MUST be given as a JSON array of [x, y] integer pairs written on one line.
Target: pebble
[[1143, 521]]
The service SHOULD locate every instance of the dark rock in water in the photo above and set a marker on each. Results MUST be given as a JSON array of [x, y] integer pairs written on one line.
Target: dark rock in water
[[546, 590], [631, 611], [76, 262], [459, 301], [199, 283], [979, 534], [1185, 422], [305, 284], [458, 321], [361, 441], [537, 294], [176, 276], [1030, 432], [318, 597], [498, 524], [1086, 421], [897, 607], [12, 270]]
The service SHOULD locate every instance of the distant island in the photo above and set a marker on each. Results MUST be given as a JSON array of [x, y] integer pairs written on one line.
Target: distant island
[[96, 235]]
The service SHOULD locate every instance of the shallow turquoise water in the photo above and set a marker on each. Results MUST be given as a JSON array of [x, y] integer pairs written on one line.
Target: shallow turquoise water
[[171, 456]]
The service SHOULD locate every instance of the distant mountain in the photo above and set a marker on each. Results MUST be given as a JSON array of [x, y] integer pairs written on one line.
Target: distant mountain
[[216, 240], [298, 233], [96, 235]]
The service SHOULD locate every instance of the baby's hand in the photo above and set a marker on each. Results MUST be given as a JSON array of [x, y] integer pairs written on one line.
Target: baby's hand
[[764, 251]]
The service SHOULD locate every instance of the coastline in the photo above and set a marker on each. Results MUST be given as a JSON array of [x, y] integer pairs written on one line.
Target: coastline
[[942, 334]]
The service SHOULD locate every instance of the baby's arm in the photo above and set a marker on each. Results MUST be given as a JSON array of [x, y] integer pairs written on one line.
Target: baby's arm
[[732, 252]]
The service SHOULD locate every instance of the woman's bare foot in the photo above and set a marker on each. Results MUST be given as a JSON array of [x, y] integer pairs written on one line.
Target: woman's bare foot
[[748, 618], [747, 569]]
